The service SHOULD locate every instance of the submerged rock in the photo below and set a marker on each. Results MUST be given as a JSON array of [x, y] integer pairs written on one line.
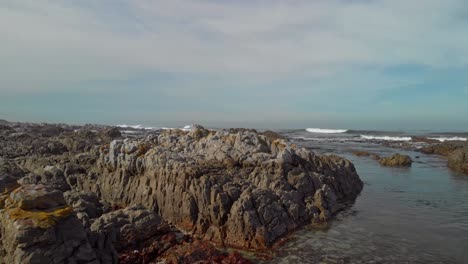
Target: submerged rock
[[361, 153], [396, 160]]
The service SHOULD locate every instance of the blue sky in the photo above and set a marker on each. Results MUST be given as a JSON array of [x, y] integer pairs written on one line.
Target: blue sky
[[388, 64]]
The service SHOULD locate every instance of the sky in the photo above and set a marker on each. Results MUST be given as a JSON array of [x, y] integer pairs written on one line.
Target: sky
[[370, 64]]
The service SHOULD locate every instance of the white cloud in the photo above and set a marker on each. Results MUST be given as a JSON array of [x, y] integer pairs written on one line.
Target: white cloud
[[51, 45]]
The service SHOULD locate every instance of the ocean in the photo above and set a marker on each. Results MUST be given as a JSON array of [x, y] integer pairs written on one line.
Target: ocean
[[403, 215]]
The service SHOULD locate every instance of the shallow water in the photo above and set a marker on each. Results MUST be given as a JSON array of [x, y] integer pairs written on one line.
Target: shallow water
[[403, 215]]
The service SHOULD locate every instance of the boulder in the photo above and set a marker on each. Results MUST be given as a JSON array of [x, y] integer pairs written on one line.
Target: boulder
[[36, 226], [396, 160], [118, 230], [458, 160]]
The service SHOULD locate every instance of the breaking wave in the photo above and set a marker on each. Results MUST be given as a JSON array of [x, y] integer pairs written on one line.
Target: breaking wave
[[387, 138], [325, 131], [443, 139], [134, 126]]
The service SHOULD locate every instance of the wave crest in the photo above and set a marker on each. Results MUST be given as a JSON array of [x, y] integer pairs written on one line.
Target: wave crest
[[326, 131], [386, 138], [134, 127], [443, 139]]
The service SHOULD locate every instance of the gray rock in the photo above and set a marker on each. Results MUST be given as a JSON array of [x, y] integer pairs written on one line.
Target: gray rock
[[122, 228], [240, 189], [36, 226]]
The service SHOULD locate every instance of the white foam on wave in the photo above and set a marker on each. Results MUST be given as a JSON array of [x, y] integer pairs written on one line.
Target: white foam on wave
[[135, 126], [443, 139], [386, 138], [185, 128], [325, 131]]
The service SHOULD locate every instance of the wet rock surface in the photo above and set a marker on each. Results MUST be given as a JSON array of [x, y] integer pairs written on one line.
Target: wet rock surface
[[102, 198], [396, 160], [458, 160], [456, 153]]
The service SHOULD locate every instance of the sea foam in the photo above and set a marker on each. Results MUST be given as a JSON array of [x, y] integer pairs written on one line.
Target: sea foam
[[387, 138], [443, 139], [325, 131], [134, 126]]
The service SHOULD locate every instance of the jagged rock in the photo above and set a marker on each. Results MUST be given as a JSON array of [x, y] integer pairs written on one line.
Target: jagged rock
[[458, 160], [86, 205], [9, 174], [38, 227], [123, 228], [50, 176], [240, 189], [396, 160]]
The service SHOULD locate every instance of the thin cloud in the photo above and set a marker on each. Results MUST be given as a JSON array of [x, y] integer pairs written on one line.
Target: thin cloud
[[55, 44]]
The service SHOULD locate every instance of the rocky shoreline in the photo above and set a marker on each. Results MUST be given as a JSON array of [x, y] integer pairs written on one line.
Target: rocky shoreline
[[90, 194]]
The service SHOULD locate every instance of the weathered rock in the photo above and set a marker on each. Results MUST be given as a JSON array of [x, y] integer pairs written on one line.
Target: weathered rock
[[50, 176], [124, 228], [9, 174], [458, 160], [396, 160], [243, 189], [36, 226], [86, 205]]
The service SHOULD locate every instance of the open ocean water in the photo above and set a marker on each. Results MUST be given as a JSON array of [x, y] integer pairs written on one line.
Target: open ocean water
[[403, 215]]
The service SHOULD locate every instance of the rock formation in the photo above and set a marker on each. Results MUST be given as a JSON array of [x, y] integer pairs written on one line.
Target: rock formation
[[456, 152], [241, 190], [38, 227], [127, 198], [458, 160]]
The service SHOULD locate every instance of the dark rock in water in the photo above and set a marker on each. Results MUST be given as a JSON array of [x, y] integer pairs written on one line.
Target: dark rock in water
[[361, 153], [458, 160], [445, 148], [396, 160]]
